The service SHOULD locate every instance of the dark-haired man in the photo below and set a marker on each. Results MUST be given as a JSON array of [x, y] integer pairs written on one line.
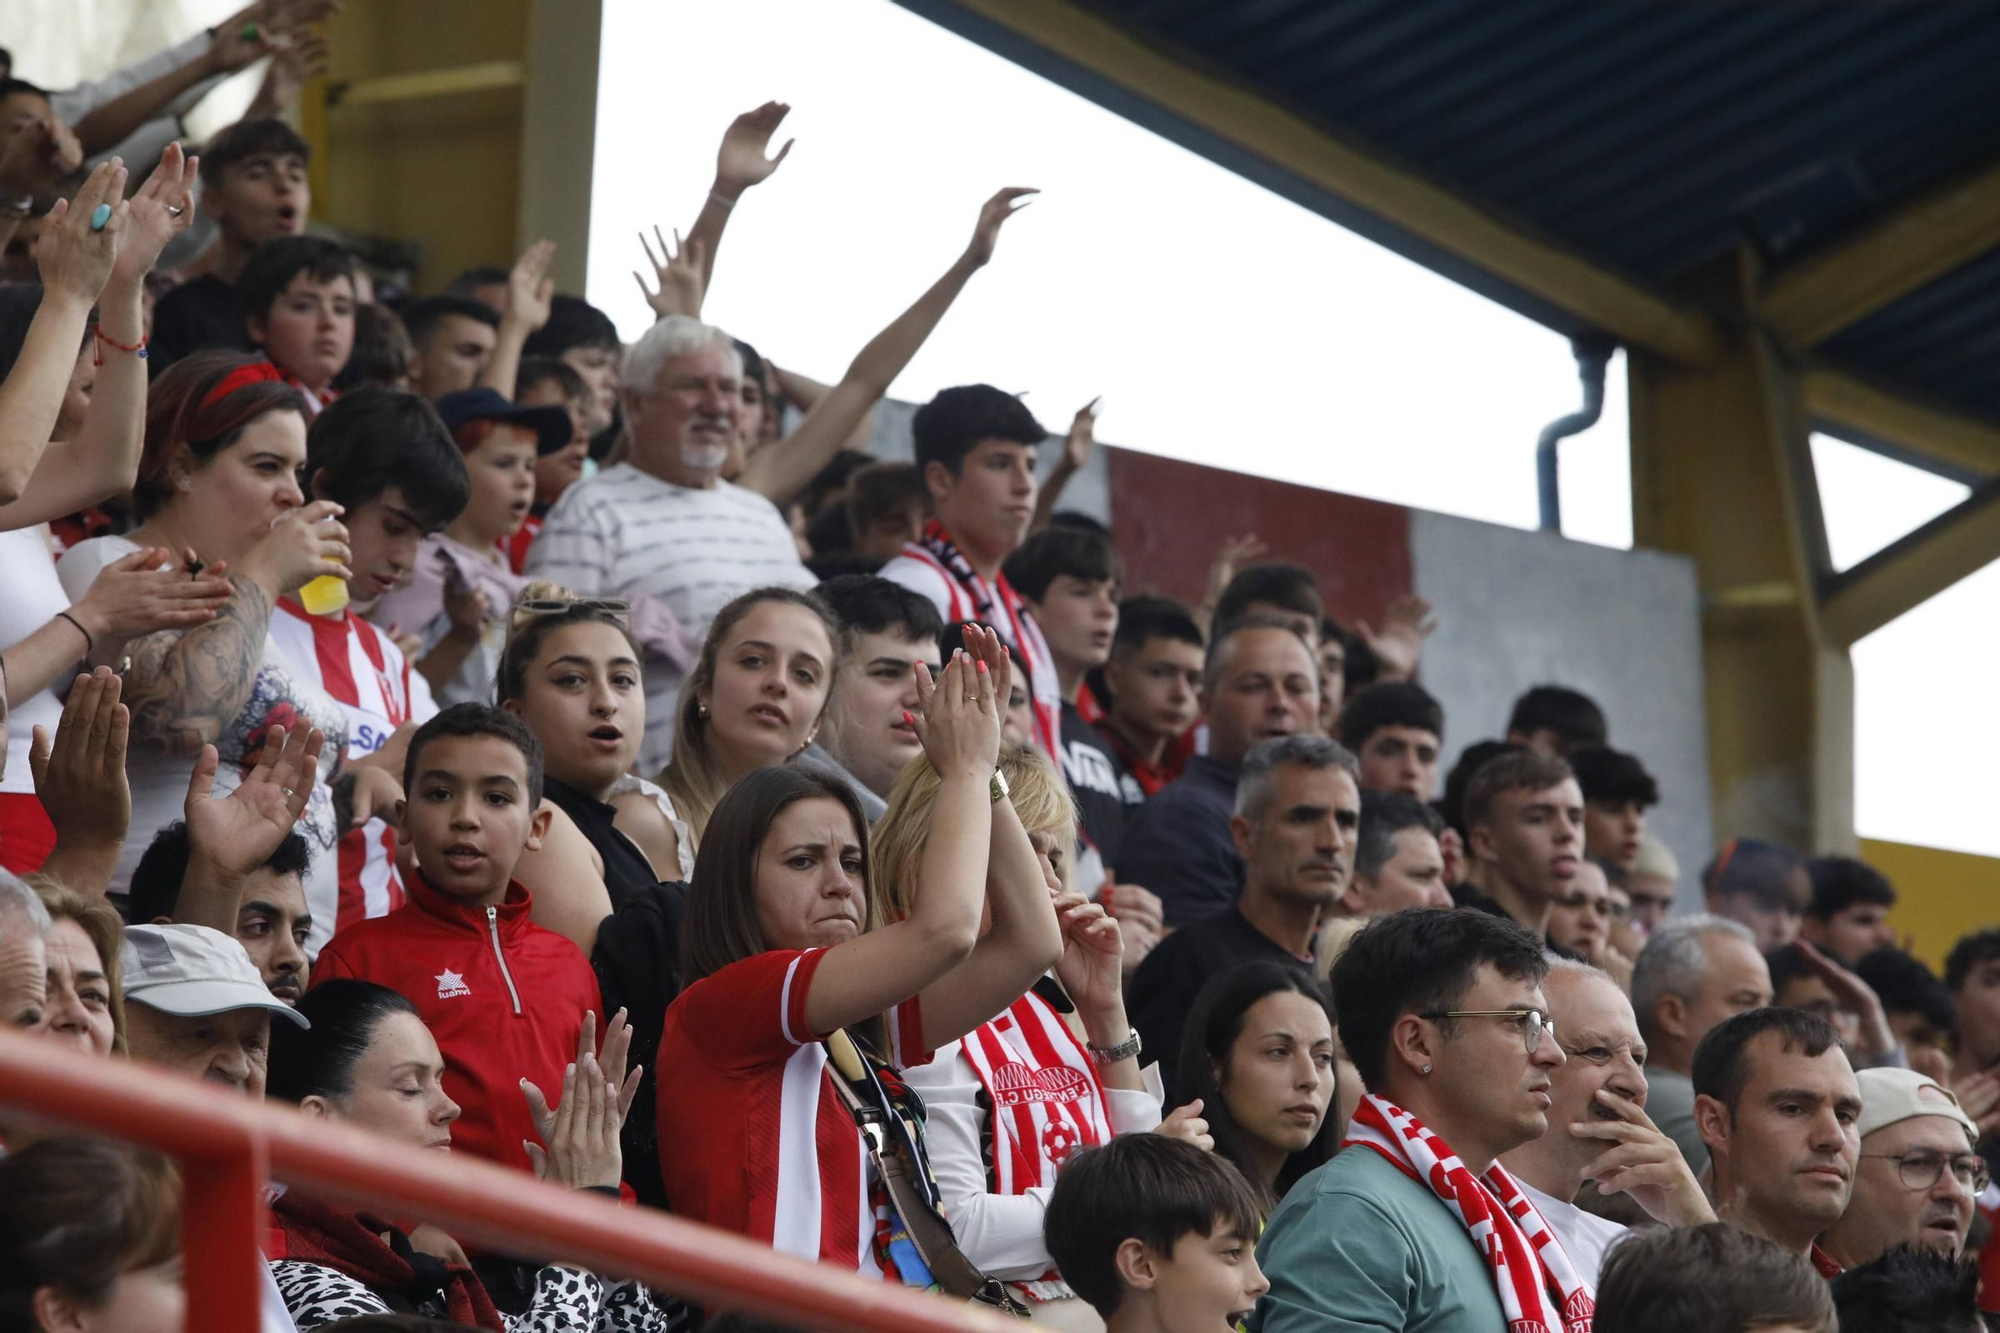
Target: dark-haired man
[[583, 337], [1297, 811], [1397, 862], [1972, 975], [1153, 686], [1617, 792], [254, 186], [1414, 1225], [1910, 1291], [884, 630], [1070, 578], [273, 924], [452, 338], [1524, 820], [975, 447], [1778, 1105], [1259, 683], [386, 458], [1849, 913], [1287, 593], [297, 298], [1762, 885], [1918, 1006], [1555, 719], [1396, 730], [1712, 1279], [1804, 978]]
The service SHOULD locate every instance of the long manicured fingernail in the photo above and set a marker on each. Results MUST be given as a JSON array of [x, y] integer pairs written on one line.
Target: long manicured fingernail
[[982, 668], [908, 720]]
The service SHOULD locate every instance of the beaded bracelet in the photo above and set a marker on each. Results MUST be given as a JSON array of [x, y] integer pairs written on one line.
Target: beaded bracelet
[[139, 348]]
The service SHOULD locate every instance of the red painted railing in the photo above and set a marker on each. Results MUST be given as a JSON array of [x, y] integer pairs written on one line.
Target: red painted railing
[[228, 1146]]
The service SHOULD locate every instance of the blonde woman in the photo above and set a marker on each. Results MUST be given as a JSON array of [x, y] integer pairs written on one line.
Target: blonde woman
[[1057, 1071], [754, 699]]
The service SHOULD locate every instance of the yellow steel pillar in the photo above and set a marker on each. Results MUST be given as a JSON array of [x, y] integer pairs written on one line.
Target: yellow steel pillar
[[1721, 471]]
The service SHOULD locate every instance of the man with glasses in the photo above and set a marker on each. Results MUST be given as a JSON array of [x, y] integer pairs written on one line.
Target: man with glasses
[[1415, 1224], [1601, 1088], [1778, 1105], [1918, 1175]]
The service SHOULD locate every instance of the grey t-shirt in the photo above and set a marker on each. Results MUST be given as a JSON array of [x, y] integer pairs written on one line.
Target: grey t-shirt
[[1670, 1103]]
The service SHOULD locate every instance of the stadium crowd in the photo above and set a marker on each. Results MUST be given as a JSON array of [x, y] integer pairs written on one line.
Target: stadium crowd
[[433, 713]]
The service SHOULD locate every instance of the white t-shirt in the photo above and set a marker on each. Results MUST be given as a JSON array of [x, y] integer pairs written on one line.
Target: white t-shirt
[[32, 598], [282, 695], [625, 531], [1585, 1237]]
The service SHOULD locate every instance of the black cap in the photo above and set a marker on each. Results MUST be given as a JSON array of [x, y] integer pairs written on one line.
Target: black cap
[[551, 423]]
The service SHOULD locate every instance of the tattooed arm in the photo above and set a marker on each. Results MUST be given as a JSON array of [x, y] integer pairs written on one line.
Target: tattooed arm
[[186, 685]]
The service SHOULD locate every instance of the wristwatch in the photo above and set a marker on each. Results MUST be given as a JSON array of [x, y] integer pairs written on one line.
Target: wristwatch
[[998, 787], [1127, 1049]]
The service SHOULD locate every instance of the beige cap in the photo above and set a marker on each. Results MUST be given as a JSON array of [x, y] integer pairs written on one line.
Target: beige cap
[[1891, 1096], [1656, 858]]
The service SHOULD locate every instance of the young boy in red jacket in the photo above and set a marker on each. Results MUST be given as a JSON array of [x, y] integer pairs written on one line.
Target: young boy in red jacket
[[504, 997]]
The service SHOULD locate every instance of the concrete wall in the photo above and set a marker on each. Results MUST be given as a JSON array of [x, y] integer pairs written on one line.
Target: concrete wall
[[1522, 608]]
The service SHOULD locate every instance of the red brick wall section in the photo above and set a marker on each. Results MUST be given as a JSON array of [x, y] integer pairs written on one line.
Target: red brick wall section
[[1171, 517]]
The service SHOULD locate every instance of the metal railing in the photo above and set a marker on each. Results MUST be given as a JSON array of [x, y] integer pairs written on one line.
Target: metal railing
[[229, 1147]]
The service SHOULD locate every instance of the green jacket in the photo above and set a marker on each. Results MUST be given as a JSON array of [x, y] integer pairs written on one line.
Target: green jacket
[[1357, 1245]]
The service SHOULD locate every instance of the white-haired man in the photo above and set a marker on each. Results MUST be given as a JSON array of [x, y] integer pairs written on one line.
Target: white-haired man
[[24, 972], [664, 522], [1694, 972], [1598, 1127]]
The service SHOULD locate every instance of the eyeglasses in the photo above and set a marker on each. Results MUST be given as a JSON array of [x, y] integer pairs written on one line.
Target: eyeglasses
[[1533, 1022], [1921, 1170]]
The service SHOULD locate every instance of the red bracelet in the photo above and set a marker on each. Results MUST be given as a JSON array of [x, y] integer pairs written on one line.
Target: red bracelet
[[97, 353]]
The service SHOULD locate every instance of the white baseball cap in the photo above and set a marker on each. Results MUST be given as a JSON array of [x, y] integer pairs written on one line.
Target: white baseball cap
[[1891, 1096], [193, 970]]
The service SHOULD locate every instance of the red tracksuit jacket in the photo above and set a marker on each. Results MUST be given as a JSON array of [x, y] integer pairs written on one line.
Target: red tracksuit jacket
[[504, 997]]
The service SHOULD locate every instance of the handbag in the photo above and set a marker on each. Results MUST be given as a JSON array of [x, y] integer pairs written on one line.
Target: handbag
[[893, 1138]]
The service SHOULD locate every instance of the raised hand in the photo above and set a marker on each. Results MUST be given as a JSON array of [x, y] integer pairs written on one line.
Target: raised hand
[[611, 1060], [986, 649], [162, 208], [1857, 997], [582, 1149], [238, 46], [958, 718], [148, 591], [1235, 553], [1644, 1163], [740, 163], [1400, 641], [1186, 1123], [301, 56], [1082, 434], [678, 273], [235, 835], [302, 545], [80, 773], [530, 289], [75, 260], [993, 215]]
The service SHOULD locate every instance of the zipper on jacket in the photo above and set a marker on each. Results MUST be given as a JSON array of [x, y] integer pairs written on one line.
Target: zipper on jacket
[[493, 928]]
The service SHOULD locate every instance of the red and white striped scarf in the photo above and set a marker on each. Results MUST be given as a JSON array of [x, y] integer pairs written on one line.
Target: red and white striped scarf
[[1540, 1290], [1046, 1099], [998, 605]]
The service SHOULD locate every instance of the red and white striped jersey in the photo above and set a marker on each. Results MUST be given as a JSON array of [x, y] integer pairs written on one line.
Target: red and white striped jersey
[[368, 676], [962, 595], [757, 1140]]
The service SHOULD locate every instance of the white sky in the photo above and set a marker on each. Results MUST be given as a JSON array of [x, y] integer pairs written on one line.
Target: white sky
[[1220, 323]]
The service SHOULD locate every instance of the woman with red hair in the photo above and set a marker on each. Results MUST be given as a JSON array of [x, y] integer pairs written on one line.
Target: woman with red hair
[[219, 487]]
